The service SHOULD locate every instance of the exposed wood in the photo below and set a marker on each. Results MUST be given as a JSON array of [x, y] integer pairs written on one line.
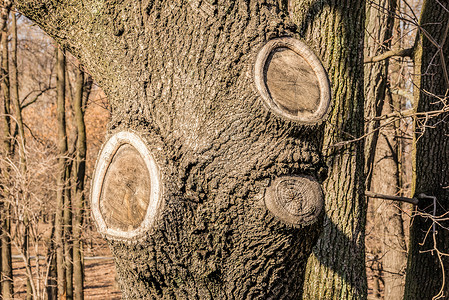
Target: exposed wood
[[125, 192], [292, 81], [297, 201]]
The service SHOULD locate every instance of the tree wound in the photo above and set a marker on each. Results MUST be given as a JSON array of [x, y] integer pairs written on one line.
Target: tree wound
[[296, 200], [125, 189], [292, 81]]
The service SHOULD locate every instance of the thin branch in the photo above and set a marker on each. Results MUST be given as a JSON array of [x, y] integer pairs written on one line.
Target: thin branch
[[36, 97], [392, 53], [370, 194]]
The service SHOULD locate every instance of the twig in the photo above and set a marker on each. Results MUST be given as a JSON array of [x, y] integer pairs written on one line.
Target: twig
[[370, 194], [399, 52]]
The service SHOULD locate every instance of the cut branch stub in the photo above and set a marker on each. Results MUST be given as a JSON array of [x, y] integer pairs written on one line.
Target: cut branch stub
[[295, 200], [292, 81], [125, 188]]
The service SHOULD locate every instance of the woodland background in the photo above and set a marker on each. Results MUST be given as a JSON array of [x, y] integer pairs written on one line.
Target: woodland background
[[53, 121]]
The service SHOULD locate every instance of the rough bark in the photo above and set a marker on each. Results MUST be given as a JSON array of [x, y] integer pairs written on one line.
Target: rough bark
[[180, 75], [426, 270], [337, 268]]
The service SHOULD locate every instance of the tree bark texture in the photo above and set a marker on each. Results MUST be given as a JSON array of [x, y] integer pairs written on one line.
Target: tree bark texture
[[427, 272], [179, 73], [335, 30]]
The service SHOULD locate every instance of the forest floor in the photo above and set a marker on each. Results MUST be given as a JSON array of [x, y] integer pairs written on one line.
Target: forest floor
[[100, 283]]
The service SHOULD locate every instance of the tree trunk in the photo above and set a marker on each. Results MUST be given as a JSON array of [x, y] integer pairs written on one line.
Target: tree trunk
[[427, 269], [79, 174], [226, 202], [51, 285], [382, 156], [21, 146], [6, 109], [68, 237], [62, 166], [6, 271], [337, 268]]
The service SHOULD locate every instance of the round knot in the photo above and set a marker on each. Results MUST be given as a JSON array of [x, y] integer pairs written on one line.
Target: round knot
[[295, 200]]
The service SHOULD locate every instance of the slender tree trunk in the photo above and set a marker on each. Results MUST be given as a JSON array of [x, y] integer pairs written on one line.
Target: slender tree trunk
[[427, 269], [389, 173], [5, 249], [52, 283], [21, 143], [393, 252], [68, 238], [61, 183], [5, 86], [382, 156], [379, 22], [7, 271], [79, 174], [336, 270]]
